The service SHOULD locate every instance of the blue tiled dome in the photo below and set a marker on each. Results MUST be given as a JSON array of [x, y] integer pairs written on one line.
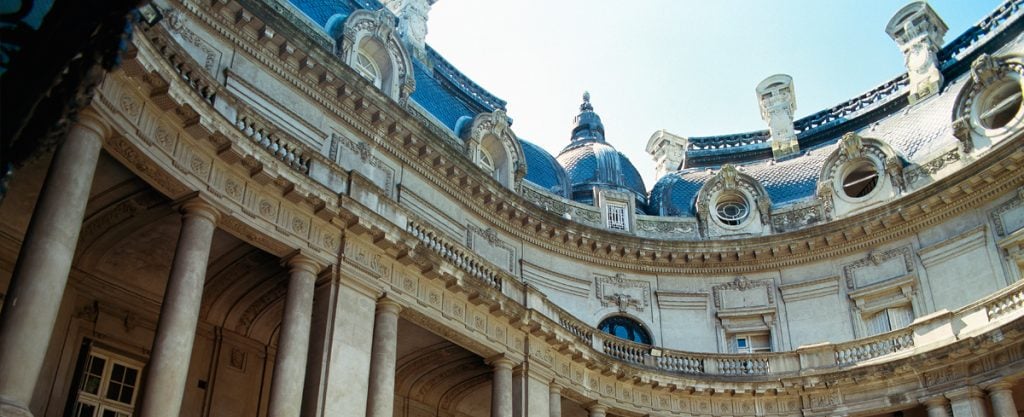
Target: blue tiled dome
[[590, 161], [542, 169], [675, 194]]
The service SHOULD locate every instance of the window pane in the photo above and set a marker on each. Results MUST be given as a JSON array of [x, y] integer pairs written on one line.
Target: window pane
[[85, 410], [900, 317]]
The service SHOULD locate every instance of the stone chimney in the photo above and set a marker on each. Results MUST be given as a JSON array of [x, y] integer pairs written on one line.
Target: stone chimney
[[412, 23], [668, 151], [918, 31], [778, 103]]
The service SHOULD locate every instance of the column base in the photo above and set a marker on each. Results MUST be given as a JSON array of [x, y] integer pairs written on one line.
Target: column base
[[11, 410]]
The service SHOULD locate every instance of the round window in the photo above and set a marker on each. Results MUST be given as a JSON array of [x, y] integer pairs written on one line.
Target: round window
[[731, 209], [861, 180], [1001, 105]]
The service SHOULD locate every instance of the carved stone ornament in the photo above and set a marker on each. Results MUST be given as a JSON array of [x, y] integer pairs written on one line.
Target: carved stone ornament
[[728, 176], [825, 193], [894, 168], [986, 70], [623, 293], [962, 132], [850, 145], [741, 284]]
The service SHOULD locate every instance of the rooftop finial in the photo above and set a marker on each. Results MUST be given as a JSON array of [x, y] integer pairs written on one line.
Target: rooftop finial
[[586, 106]]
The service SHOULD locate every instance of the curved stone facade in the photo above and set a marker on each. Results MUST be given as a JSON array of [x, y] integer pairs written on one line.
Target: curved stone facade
[[268, 232]]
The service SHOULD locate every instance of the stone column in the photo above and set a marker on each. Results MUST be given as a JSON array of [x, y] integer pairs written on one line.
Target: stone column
[[598, 410], [967, 402], [501, 387], [936, 406], [167, 371], [1001, 395], [381, 399], [41, 272], [555, 400], [293, 343]]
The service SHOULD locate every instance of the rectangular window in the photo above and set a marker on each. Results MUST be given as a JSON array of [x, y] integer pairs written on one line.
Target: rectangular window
[[617, 217], [889, 319], [108, 386], [751, 343]]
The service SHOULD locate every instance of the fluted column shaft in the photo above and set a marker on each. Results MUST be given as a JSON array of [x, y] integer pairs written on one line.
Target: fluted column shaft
[[293, 343], [176, 330], [380, 401], [41, 272], [555, 400], [1001, 396], [501, 388]]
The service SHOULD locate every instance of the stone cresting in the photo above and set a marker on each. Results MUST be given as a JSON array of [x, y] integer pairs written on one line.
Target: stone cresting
[[876, 97]]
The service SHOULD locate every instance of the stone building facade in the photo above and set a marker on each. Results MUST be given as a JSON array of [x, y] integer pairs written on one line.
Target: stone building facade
[[301, 209]]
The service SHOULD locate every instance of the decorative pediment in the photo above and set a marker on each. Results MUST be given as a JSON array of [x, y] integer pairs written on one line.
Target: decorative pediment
[[878, 266], [623, 293], [743, 293]]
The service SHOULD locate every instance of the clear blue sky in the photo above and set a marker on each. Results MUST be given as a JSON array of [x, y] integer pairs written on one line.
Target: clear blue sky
[[688, 67]]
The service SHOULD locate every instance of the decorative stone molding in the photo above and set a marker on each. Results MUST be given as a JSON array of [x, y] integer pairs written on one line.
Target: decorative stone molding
[[1008, 217], [364, 28], [622, 293], [723, 293], [878, 266], [682, 300], [810, 289], [486, 243]]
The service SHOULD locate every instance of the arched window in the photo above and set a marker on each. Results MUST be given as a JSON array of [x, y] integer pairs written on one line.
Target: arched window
[[625, 328], [367, 68]]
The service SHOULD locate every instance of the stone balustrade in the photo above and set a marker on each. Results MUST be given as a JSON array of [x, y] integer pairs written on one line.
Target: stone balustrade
[[1000, 308], [284, 149], [851, 353]]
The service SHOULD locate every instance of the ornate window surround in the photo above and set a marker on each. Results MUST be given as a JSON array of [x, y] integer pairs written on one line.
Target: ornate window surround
[[989, 74], [729, 182], [373, 34], [490, 133], [854, 151]]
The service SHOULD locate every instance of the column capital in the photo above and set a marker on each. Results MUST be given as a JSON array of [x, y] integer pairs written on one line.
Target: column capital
[[300, 262], [92, 121], [965, 393], [555, 388], [999, 385], [597, 408], [934, 401], [500, 361], [194, 205], [385, 304]]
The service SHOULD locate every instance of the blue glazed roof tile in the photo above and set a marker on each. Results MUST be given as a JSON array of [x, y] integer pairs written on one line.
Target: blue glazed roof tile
[[542, 169], [437, 100], [675, 194]]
